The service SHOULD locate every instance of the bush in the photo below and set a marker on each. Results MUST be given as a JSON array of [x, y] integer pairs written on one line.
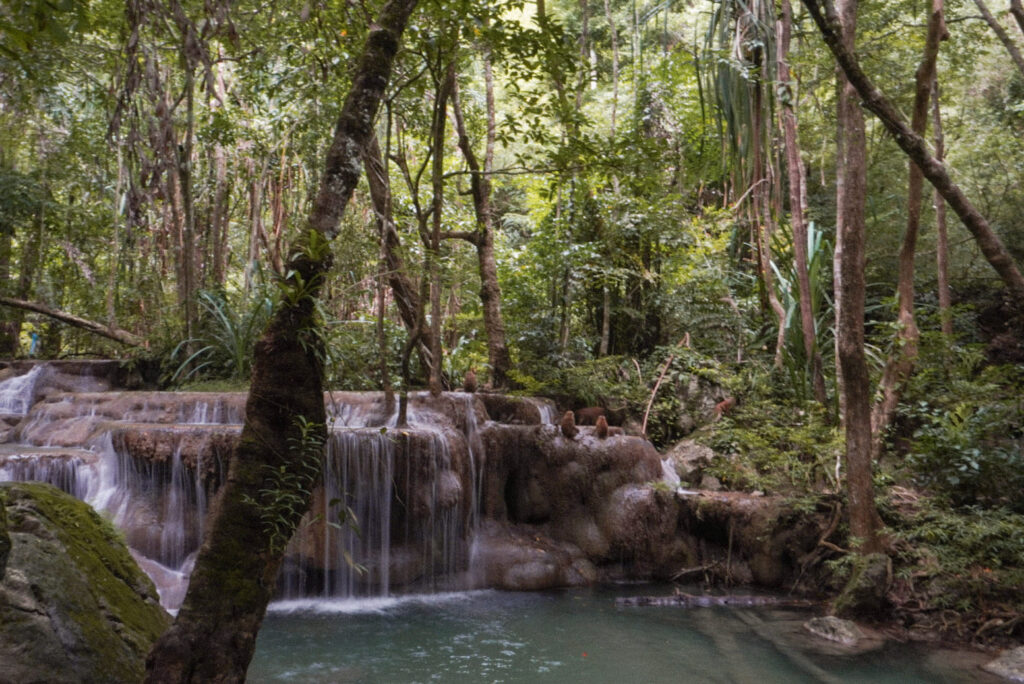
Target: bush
[[960, 558], [776, 445], [964, 422]]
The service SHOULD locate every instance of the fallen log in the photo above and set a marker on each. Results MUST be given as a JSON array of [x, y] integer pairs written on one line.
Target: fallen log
[[111, 333], [683, 600]]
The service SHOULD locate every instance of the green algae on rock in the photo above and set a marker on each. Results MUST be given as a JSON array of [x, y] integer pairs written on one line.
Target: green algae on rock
[[74, 606]]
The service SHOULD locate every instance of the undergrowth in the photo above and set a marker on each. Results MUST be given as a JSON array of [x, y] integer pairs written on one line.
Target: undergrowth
[[957, 569], [775, 446]]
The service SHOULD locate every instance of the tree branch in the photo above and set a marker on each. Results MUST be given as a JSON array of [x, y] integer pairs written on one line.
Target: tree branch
[[1001, 33], [111, 333], [467, 235], [824, 15]]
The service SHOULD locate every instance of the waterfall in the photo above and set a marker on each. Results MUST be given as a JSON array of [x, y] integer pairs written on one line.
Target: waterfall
[[72, 471], [16, 393], [544, 409], [160, 507], [397, 509]]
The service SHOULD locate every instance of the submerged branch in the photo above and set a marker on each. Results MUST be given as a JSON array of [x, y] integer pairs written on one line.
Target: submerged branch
[[682, 600]]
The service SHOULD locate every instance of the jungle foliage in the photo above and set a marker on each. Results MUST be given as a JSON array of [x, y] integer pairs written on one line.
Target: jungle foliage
[[157, 157]]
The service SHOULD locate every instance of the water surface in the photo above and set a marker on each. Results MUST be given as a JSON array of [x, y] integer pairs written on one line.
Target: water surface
[[566, 637]]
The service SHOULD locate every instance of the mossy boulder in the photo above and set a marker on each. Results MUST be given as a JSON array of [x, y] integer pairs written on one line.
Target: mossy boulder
[[74, 606], [866, 594]]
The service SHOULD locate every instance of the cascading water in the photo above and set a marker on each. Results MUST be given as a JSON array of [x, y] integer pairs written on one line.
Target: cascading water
[[151, 461], [70, 470], [398, 506], [160, 506], [16, 393]]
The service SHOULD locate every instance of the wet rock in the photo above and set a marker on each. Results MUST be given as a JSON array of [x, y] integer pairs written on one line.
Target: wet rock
[[1009, 665], [710, 483], [635, 520], [835, 629], [74, 606], [866, 592], [741, 537], [689, 459], [516, 558], [502, 408]]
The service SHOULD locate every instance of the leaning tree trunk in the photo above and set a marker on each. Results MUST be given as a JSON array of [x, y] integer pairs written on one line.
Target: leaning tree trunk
[[108, 331], [407, 299], [851, 194], [916, 148], [900, 364], [1002, 35], [1017, 10], [213, 637]]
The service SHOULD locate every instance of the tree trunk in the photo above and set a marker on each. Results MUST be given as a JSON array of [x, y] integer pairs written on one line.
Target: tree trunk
[[213, 637], [403, 288], [1017, 10], [917, 149], [851, 193], [187, 254], [797, 208], [219, 219], [444, 88], [606, 303], [483, 240], [941, 235], [762, 218], [30, 258], [606, 321], [8, 341], [900, 364], [1003, 36]]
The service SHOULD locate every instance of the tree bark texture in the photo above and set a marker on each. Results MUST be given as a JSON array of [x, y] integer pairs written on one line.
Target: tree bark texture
[[1017, 10], [941, 234], [916, 148], [31, 250], [444, 87], [795, 171], [762, 215], [900, 364], [851, 194], [483, 239], [407, 299], [213, 637], [1002, 35]]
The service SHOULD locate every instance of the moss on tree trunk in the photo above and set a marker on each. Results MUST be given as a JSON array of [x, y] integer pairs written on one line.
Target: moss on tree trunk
[[214, 636]]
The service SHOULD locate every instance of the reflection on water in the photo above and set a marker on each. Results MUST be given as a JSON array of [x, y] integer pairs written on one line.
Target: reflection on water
[[570, 636]]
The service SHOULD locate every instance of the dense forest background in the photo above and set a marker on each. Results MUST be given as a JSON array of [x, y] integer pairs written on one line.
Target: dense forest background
[[601, 202]]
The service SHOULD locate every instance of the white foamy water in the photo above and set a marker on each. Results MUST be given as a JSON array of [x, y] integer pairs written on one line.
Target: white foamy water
[[669, 475], [380, 605], [16, 393]]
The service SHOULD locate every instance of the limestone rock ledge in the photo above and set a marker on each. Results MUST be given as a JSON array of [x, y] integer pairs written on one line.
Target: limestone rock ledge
[[74, 606]]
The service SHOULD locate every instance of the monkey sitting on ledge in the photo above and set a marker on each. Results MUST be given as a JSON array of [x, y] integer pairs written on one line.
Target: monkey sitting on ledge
[[568, 425], [603, 430], [469, 382]]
